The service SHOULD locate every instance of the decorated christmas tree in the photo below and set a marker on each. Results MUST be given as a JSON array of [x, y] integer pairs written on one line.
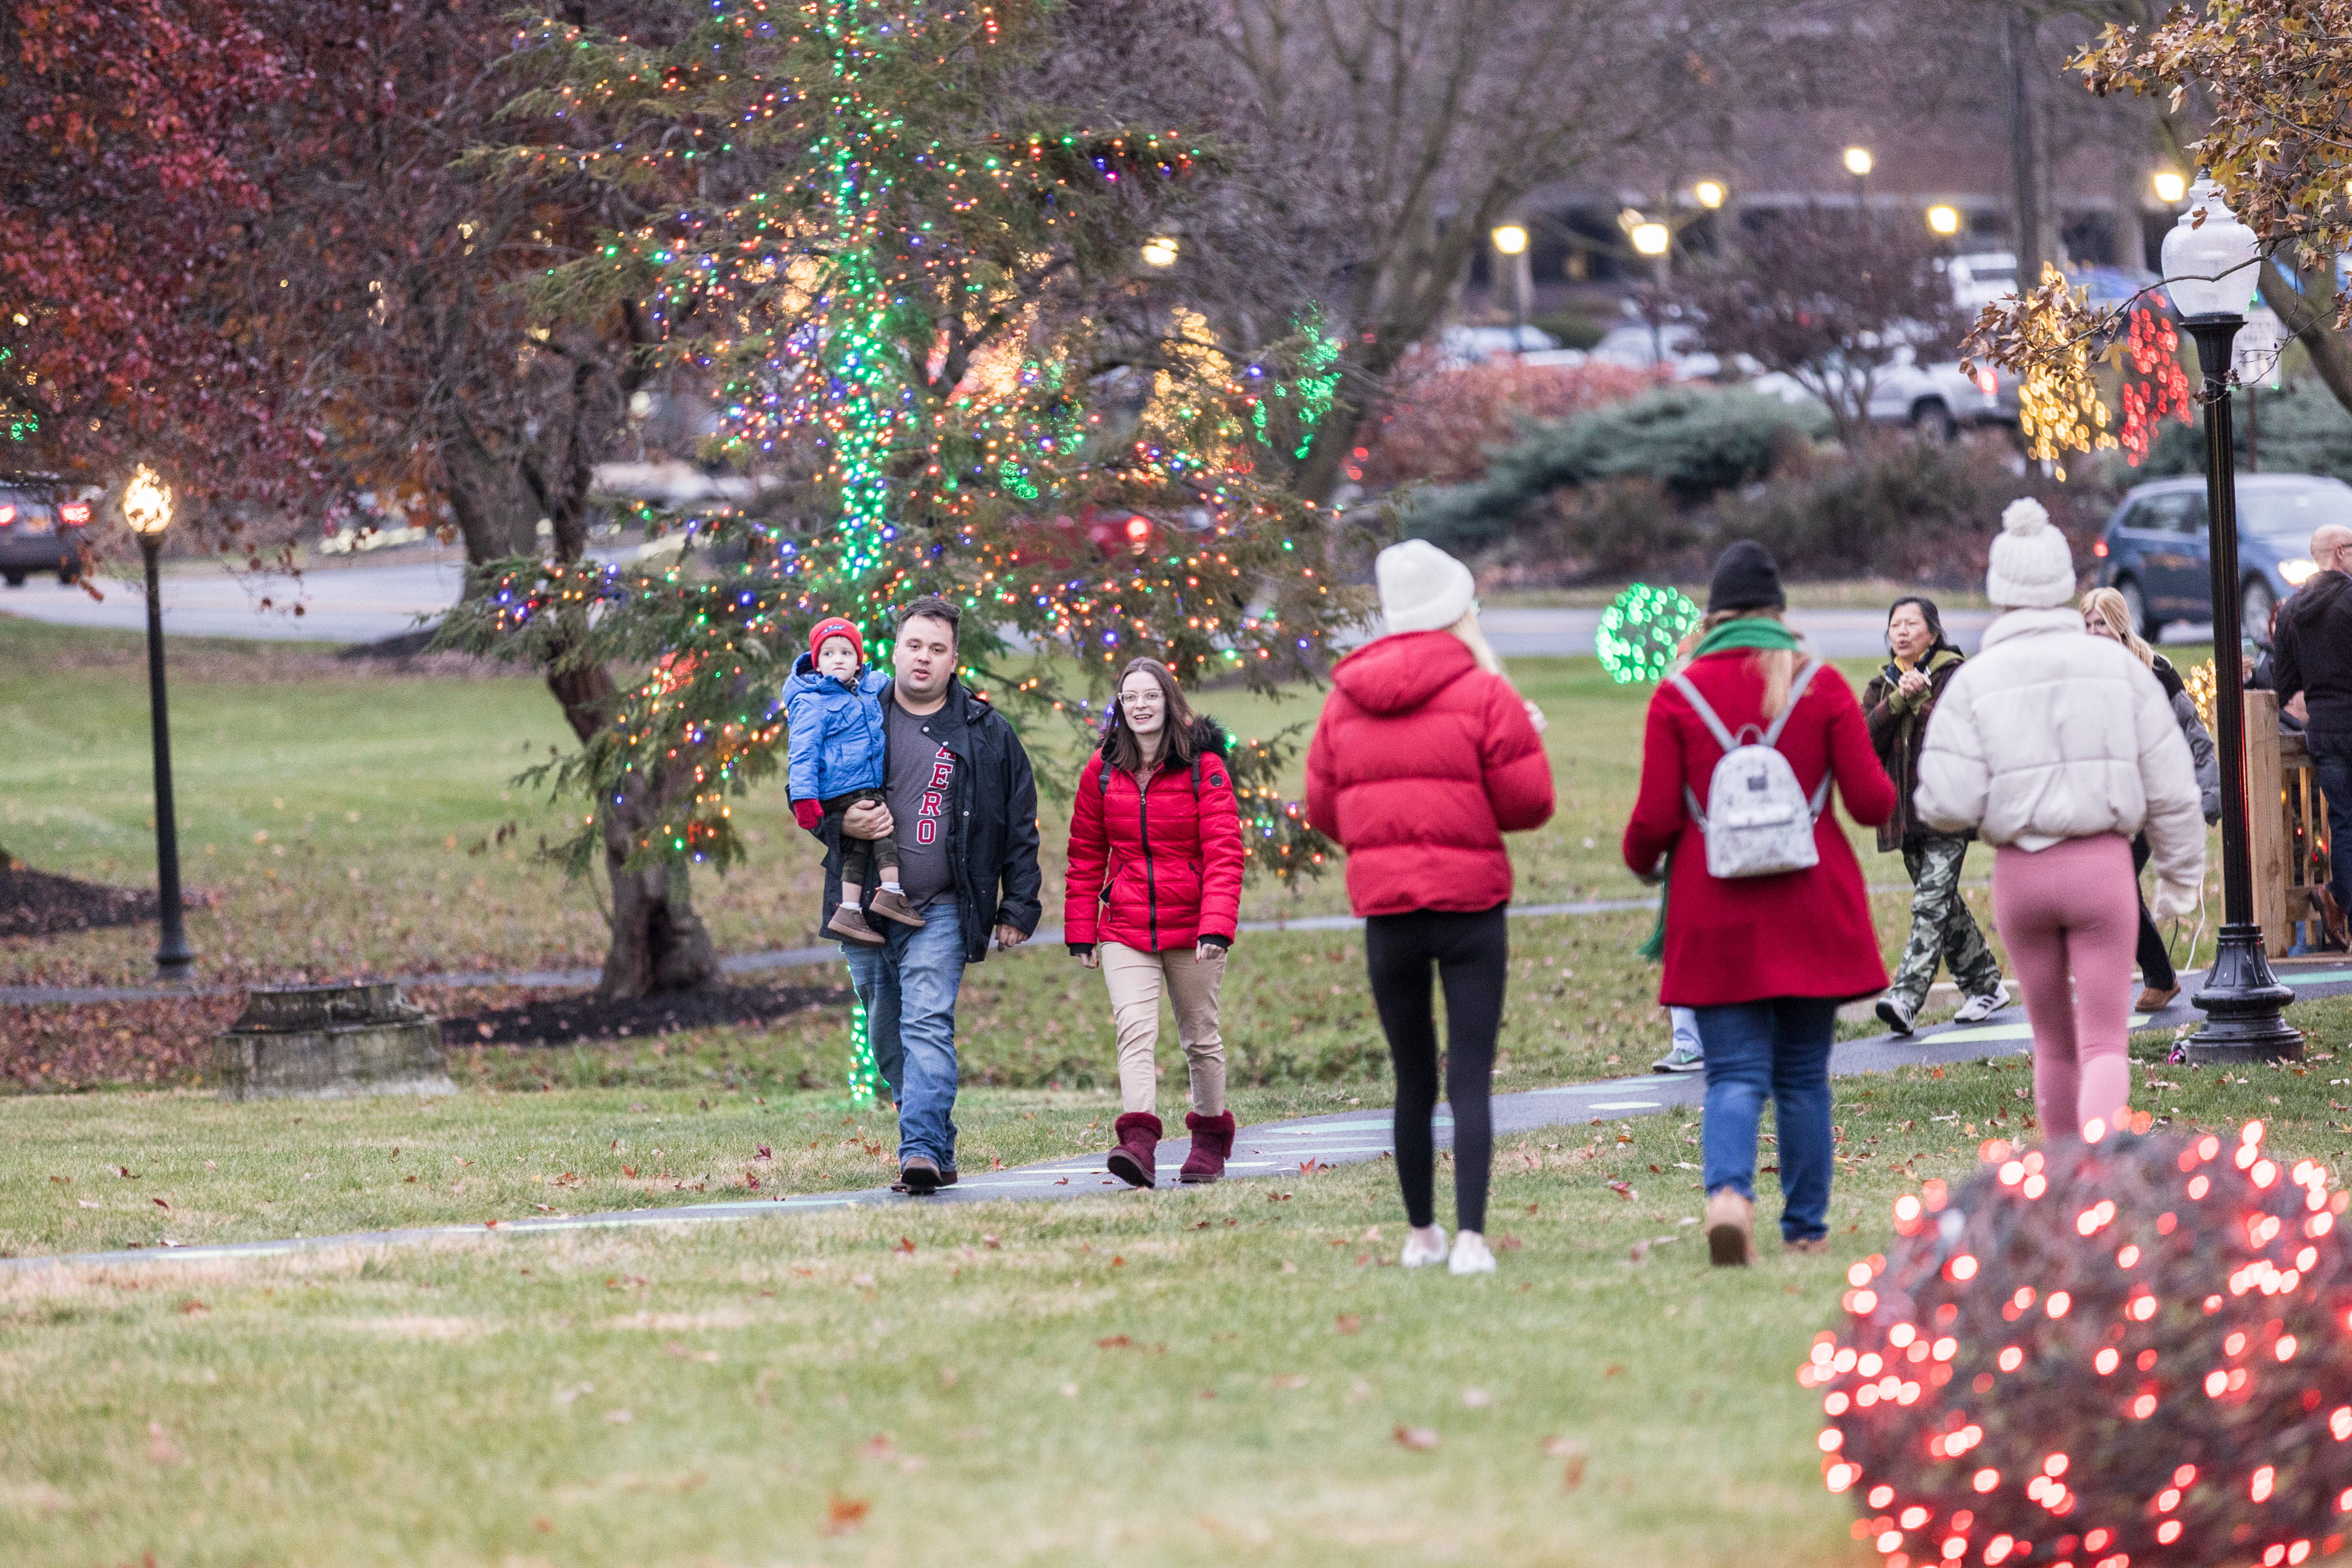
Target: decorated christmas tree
[[919, 303]]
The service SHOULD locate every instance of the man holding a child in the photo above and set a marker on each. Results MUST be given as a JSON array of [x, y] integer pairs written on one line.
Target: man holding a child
[[961, 807]]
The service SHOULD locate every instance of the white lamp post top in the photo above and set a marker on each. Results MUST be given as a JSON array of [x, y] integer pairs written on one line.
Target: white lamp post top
[[2209, 268]]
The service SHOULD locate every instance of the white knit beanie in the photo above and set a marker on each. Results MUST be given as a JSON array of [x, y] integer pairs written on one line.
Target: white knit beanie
[[2033, 565], [1422, 589]]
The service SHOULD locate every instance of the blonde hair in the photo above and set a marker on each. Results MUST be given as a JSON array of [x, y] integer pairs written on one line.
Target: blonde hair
[[2109, 606], [1466, 628], [1779, 664]]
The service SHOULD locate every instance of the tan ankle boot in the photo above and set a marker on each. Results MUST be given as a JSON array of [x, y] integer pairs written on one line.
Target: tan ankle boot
[[893, 905], [1730, 1229], [850, 926]]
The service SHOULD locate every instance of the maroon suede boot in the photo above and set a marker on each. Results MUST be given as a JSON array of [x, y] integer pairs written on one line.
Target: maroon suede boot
[[1212, 1145], [1138, 1142]]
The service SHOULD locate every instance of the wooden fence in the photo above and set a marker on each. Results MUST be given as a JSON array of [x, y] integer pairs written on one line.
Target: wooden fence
[[2287, 841]]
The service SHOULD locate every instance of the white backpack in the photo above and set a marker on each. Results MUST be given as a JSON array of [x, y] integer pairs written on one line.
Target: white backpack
[[1758, 821]]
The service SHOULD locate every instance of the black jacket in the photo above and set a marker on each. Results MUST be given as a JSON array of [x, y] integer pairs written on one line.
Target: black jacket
[[991, 830], [2314, 655]]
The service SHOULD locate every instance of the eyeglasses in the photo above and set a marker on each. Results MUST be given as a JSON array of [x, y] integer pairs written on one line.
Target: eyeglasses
[[1128, 697]]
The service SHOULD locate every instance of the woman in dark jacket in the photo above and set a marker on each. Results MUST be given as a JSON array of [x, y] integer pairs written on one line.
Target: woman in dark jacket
[[1155, 885], [1896, 703]]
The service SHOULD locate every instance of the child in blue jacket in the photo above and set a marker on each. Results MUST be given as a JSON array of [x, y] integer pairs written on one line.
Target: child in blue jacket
[[833, 709]]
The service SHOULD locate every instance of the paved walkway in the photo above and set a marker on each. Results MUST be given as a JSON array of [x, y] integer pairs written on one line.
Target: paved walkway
[[1344, 1137]]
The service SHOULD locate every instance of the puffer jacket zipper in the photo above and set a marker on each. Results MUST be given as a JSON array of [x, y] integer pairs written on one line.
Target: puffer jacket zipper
[[1143, 831]]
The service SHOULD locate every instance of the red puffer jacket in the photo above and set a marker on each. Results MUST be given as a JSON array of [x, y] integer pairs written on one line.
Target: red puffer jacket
[[1419, 765], [1802, 933], [1156, 866]]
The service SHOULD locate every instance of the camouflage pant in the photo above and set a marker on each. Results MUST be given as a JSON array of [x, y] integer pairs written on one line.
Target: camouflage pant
[[1941, 926]]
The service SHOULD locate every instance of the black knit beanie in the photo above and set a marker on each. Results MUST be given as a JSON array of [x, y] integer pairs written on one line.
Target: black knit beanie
[[1745, 578]]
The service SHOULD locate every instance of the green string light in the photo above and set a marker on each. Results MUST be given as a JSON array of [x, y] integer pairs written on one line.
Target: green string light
[[1641, 632]]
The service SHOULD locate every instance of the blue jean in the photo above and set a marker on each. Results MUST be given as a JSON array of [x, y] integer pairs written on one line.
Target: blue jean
[[1778, 1048], [2331, 759], [908, 985]]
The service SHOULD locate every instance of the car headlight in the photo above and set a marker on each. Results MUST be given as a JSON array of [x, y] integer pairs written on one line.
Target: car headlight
[[2298, 572]]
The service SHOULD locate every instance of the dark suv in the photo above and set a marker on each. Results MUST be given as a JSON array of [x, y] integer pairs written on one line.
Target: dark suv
[[2153, 550], [41, 529]]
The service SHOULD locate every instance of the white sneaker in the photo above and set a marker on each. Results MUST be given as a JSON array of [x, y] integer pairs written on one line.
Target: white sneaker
[[1984, 1006], [1470, 1255], [1423, 1247]]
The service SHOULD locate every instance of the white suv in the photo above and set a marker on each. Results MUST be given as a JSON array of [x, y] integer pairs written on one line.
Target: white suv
[[1937, 399]]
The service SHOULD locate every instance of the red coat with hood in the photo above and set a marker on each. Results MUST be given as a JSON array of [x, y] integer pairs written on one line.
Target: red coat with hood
[[1802, 933], [1422, 762], [1158, 864]]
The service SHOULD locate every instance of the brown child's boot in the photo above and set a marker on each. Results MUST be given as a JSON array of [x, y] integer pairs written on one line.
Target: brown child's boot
[[1134, 1161], [1212, 1145], [848, 924], [892, 905], [1730, 1229]]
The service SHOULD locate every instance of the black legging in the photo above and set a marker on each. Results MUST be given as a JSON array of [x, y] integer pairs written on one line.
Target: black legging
[[2155, 958], [1471, 953]]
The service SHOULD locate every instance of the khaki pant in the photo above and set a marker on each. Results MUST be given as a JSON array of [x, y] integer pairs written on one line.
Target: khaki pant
[[1136, 979]]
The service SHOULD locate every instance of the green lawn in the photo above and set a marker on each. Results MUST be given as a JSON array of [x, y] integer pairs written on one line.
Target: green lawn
[[1206, 1376]]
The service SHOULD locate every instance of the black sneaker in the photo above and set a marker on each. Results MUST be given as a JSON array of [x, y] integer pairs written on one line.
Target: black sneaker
[[946, 1179], [1895, 1015]]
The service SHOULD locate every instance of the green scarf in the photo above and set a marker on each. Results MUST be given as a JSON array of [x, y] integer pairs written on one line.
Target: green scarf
[[1747, 632]]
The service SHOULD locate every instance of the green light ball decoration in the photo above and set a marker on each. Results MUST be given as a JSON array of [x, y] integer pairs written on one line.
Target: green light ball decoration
[[863, 1078], [1640, 630]]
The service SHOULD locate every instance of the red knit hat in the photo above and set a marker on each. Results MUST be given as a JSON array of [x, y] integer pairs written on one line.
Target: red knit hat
[[836, 626]]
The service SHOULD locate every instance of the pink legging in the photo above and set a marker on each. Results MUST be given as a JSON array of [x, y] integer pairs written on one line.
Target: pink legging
[[2074, 906]]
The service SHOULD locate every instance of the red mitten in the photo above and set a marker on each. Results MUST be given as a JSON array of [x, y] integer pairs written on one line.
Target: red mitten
[[808, 813]]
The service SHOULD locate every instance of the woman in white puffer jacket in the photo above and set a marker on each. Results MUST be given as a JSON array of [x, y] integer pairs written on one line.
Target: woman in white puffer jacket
[[2057, 748]]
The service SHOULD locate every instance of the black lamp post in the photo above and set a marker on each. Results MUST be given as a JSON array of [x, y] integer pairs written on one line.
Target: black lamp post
[[147, 507], [2211, 266]]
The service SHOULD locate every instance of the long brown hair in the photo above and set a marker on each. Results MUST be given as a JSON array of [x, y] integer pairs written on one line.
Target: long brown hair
[[1779, 664], [1123, 749]]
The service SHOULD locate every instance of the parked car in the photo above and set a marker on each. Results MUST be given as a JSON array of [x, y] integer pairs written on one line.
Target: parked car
[[2153, 551], [1674, 345], [1937, 399], [42, 526], [1978, 280], [1460, 347]]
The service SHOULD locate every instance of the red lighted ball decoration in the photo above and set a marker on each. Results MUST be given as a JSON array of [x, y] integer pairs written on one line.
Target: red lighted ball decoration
[[2127, 1353]]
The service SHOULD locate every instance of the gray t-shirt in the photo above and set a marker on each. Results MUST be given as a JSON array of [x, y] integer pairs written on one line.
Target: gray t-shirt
[[920, 793]]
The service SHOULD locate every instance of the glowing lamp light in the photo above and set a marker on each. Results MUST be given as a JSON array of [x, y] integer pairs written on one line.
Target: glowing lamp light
[[1651, 239], [147, 502], [1160, 250], [1944, 219], [2170, 186], [2209, 266], [1511, 238], [1858, 161], [1710, 194]]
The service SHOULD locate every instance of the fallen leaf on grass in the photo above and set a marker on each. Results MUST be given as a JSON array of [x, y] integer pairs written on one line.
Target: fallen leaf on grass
[[1506, 1242], [1115, 1342], [1563, 1447], [1069, 1390], [162, 1203], [1288, 1267], [1623, 1190], [991, 1243], [85, 1202], [844, 1514], [68, 1181], [1478, 1398], [1418, 1438], [906, 1247], [765, 1154], [1350, 1324], [629, 1171], [1290, 1380], [876, 1446], [194, 1309], [161, 1449], [124, 1171]]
